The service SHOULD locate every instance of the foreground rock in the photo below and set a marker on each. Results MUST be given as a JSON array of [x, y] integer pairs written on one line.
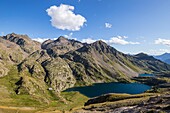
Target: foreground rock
[[153, 104]]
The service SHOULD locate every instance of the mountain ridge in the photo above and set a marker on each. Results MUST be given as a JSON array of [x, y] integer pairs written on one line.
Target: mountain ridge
[[42, 71]]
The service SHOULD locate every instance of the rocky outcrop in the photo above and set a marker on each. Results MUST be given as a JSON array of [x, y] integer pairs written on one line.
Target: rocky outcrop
[[153, 105], [58, 74], [32, 64], [54, 72], [124, 103], [32, 74]]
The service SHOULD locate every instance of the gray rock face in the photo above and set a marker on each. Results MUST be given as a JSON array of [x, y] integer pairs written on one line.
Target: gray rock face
[[58, 74], [32, 64], [54, 72], [32, 74]]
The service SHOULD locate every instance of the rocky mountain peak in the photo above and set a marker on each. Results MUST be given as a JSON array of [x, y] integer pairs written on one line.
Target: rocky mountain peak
[[62, 39], [102, 46], [99, 43], [60, 46]]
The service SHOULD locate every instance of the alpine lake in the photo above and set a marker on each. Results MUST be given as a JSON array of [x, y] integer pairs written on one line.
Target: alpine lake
[[114, 87]]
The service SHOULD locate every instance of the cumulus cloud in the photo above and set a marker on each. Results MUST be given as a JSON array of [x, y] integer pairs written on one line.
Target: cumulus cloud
[[162, 41], [63, 17], [88, 40], [114, 40], [108, 25]]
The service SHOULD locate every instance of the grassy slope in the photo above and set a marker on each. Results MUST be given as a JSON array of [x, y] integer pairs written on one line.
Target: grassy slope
[[8, 94], [28, 103]]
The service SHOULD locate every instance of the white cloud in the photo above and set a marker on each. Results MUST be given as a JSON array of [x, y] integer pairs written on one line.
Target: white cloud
[[88, 40], [114, 40], [165, 50], [40, 39], [158, 52], [108, 25], [162, 41], [63, 17], [69, 36], [120, 40], [117, 40]]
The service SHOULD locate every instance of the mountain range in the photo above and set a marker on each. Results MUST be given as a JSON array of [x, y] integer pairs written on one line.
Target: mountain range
[[31, 68]]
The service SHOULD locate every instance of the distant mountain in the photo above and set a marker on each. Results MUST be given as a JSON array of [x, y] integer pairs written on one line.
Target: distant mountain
[[164, 57], [149, 63], [167, 61]]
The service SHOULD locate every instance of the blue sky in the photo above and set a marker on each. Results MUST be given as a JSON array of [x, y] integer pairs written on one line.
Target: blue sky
[[133, 26]]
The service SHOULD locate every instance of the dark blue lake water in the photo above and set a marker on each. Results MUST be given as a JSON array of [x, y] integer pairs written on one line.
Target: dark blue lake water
[[146, 75], [104, 88]]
